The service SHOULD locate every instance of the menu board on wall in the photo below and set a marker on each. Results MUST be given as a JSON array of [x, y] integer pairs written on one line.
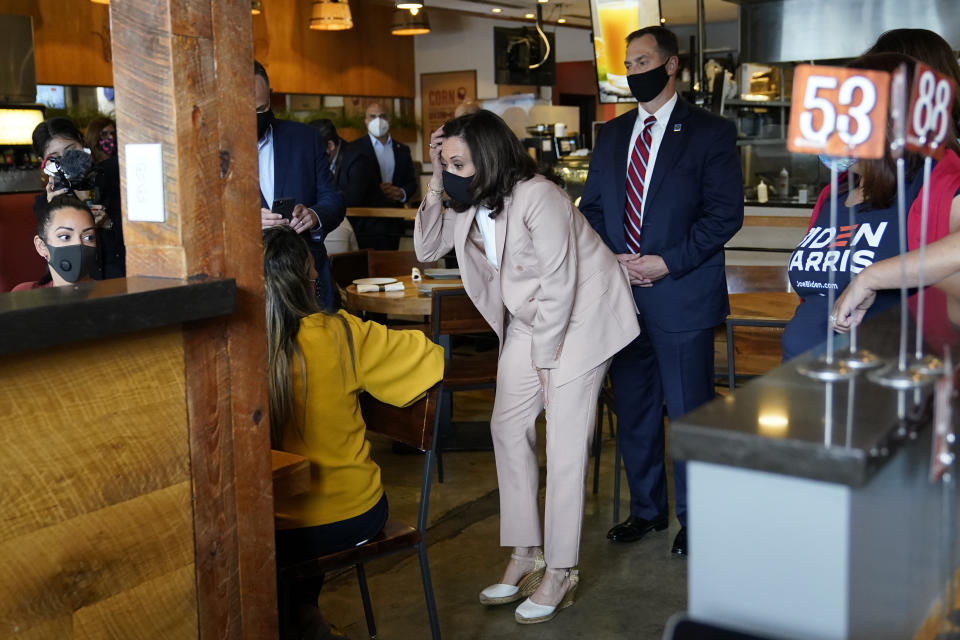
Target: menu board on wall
[[440, 95], [613, 21]]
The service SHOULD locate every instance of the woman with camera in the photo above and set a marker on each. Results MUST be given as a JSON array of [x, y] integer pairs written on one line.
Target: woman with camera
[[68, 169], [561, 306]]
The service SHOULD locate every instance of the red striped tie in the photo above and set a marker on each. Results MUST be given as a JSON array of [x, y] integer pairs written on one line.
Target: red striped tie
[[636, 174]]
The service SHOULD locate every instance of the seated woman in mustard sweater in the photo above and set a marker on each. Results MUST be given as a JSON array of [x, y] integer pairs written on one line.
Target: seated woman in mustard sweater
[[318, 364]]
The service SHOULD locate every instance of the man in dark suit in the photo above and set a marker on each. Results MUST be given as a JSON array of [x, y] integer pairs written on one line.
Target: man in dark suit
[[395, 177], [665, 192], [354, 173], [293, 164]]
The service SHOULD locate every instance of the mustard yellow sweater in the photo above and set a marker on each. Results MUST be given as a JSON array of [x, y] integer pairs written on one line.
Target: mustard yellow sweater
[[396, 367]]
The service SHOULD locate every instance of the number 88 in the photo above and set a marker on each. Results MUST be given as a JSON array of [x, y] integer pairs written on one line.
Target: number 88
[[932, 109]]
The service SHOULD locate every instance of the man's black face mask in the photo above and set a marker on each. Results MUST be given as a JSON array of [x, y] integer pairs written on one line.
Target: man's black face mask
[[264, 120]]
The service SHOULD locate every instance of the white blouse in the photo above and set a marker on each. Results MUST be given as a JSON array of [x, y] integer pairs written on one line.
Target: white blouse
[[488, 230]]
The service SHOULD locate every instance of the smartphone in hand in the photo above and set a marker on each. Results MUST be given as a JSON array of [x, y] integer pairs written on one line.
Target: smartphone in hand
[[284, 206]]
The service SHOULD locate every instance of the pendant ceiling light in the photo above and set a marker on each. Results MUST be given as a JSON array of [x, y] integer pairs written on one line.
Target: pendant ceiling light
[[331, 15], [408, 4], [410, 23], [256, 7]]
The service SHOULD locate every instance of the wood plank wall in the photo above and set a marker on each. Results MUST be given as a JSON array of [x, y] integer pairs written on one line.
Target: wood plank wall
[[96, 532], [72, 46], [364, 61], [71, 40]]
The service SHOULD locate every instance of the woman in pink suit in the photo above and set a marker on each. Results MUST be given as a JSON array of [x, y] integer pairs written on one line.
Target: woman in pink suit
[[561, 306]]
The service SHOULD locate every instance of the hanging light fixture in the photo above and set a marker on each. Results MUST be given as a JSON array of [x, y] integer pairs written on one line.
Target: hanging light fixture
[[256, 7], [410, 23], [331, 15], [412, 5]]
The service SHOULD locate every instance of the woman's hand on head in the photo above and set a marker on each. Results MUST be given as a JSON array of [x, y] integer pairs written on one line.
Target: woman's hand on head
[[436, 143], [853, 303]]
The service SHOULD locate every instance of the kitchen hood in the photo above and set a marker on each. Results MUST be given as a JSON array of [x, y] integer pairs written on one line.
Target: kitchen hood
[[804, 30]]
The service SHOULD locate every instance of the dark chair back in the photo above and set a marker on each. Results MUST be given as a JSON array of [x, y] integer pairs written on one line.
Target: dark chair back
[[391, 264], [756, 279], [411, 425], [347, 267], [455, 314]]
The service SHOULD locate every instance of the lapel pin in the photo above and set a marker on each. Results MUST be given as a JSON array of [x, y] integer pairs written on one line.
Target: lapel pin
[[677, 127]]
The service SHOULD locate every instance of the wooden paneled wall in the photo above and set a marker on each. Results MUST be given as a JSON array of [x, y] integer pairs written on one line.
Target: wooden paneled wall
[[96, 531], [71, 40], [72, 46], [364, 61]]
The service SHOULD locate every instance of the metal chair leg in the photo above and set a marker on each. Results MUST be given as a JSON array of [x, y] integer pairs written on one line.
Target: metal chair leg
[[428, 590], [597, 442], [367, 605], [731, 365], [616, 482]]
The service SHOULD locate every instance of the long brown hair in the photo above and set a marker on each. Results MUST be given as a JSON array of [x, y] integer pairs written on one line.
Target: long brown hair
[[498, 155], [929, 48], [878, 178], [290, 297]]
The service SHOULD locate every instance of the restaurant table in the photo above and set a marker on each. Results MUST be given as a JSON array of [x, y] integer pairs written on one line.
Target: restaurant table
[[382, 212], [291, 473], [758, 309], [408, 302]]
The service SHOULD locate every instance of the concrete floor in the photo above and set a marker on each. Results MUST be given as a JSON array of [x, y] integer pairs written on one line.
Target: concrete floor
[[626, 591]]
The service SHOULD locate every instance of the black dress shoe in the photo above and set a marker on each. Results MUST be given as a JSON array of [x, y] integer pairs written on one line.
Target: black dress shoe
[[679, 547], [634, 528]]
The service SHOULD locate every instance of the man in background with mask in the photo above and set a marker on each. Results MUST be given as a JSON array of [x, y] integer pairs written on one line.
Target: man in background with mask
[[293, 164], [393, 165], [665, 192]]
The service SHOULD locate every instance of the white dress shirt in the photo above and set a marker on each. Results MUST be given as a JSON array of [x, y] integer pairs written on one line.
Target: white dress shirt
[[265, 156], [385, 157], [488, 231], [656, 136]]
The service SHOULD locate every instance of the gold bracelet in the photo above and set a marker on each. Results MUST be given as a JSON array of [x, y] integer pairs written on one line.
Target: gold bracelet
[[436, 192]]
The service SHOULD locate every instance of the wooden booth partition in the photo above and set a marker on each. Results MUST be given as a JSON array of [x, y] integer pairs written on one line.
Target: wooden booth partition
[[135, 462]]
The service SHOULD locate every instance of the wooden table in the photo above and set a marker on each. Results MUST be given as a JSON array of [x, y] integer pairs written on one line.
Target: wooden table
[[382, 212], [765, 309], [409, 302], [291, 473]]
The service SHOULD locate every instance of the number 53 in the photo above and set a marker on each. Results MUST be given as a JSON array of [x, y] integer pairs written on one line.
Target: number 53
[[850, 106]]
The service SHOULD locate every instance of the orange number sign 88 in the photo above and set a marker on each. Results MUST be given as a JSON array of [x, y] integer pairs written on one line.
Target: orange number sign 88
[[931, 102], [840, 112]]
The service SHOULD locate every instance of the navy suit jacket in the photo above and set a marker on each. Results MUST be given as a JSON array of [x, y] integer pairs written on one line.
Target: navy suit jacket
[[357, 176], [301, 171], [694, 205], [403, 173]]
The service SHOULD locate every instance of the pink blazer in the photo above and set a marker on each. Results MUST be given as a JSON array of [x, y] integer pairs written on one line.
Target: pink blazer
[[555, 274]]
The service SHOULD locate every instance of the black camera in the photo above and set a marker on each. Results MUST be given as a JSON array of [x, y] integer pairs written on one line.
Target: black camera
[[74, 171]]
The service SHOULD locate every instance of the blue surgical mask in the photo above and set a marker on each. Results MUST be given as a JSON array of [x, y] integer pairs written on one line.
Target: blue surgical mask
[[842, 163]]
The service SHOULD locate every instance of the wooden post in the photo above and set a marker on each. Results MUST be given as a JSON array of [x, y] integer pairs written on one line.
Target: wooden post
[[183, 73]]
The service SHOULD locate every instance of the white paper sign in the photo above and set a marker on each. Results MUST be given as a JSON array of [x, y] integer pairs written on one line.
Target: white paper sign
[[144, 164]]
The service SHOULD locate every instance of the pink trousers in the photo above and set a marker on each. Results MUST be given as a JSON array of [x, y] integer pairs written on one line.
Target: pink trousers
[[571, 415]]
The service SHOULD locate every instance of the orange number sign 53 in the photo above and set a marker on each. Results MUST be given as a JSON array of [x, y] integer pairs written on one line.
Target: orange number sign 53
[[931, 102], [840, 112]]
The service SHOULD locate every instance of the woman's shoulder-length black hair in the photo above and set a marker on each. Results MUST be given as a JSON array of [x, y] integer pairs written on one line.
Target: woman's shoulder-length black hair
[[500, 159]]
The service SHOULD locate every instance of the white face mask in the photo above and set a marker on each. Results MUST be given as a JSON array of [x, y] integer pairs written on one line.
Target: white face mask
[[378, 127]]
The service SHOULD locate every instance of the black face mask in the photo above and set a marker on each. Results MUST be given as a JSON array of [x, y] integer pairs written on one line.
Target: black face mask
[[458, 188], [264, 120], [72, 262], [647, 85]]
